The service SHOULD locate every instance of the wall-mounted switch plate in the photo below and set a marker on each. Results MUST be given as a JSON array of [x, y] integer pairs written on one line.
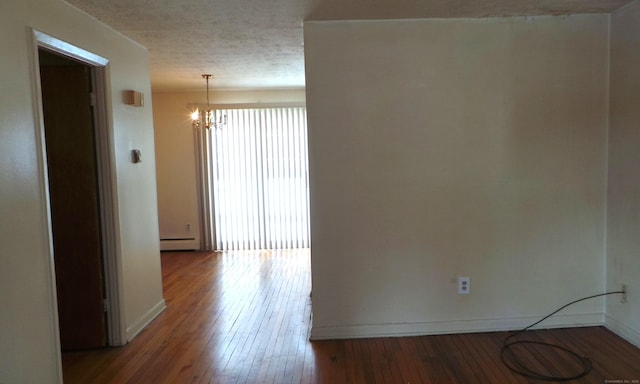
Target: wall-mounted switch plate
[[136, 156], [133, 98]]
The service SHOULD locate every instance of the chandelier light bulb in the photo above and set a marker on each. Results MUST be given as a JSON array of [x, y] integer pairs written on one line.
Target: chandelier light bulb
[[195, 115]]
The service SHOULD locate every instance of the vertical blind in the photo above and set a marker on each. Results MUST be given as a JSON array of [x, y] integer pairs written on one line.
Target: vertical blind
[[257, 179]]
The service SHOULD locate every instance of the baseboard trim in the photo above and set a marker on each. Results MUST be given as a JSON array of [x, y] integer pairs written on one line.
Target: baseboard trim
[[622, 330], [455, 326], [182, 244], [140, 324]]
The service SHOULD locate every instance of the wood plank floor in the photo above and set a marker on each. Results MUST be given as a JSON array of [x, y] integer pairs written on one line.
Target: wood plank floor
[[244, 317]]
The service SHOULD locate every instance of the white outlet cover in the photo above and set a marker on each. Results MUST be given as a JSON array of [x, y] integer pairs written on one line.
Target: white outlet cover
[[464, 285]]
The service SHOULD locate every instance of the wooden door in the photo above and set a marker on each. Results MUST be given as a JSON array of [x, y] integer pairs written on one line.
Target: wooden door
[[74, 196]]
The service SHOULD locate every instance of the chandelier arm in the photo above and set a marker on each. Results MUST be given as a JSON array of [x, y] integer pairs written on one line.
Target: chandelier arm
[[206, 118]]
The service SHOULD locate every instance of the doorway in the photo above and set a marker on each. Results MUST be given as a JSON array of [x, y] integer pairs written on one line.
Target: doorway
[[74, 196], [77, 163]]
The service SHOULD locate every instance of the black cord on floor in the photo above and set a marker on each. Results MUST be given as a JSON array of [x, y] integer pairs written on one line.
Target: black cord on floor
[[511, 360]]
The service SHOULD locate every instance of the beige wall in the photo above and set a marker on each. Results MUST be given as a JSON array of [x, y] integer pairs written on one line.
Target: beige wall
[[29, 347], [176, 167], [175, 156], [445, 148], [623, 224]]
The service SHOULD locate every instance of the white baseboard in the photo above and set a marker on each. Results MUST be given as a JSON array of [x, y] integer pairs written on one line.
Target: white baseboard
[[179, 244], [620, 329], [140, 324], [457, 326]]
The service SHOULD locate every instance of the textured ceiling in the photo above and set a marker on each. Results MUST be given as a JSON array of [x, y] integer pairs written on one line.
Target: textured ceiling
[[250, 44]]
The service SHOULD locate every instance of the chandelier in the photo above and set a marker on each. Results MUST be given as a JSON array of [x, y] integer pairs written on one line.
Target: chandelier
[[204, 115]]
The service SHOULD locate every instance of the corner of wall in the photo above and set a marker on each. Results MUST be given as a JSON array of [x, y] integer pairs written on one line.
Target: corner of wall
[[139, 325], [623, 186]]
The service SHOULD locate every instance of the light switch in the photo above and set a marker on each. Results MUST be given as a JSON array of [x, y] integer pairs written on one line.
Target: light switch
[[136, 156]]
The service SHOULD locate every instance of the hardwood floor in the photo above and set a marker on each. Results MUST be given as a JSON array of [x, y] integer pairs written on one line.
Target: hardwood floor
[[244, 317]]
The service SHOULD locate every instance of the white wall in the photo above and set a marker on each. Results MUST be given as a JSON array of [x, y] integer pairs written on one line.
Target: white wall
[[175, 156], [623, 214], [29, 346], [445, 148]]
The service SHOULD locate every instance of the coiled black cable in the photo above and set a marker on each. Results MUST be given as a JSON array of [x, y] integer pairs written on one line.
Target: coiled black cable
[[517, 365]]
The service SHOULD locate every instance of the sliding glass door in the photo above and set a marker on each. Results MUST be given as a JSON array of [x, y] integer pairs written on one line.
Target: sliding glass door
[[254, 174]]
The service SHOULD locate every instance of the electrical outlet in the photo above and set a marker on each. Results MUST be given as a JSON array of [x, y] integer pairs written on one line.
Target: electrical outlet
[[188, 227], [623, 298], [464, 285]]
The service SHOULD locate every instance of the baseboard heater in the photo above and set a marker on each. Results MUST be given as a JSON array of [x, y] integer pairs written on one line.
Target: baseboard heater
[[179, 244]]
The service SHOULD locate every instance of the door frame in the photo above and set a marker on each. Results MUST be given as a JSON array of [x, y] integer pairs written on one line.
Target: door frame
[[116, 332]]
